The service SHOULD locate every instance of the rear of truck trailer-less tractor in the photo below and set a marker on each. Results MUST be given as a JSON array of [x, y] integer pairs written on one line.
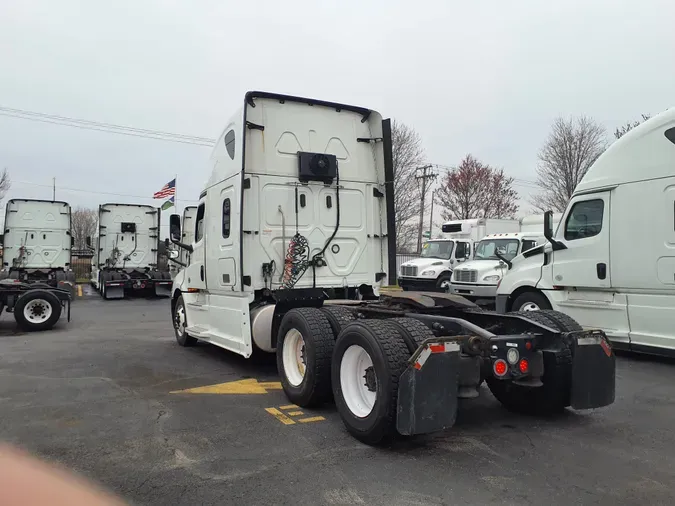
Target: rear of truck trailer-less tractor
[[126, 252], [293, 239]]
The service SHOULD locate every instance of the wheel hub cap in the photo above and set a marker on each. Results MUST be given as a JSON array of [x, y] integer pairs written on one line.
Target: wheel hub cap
[[37, 311]]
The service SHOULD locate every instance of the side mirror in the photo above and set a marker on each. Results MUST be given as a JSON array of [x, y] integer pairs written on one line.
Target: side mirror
[[548, 225], [88, 241], [174, 227]]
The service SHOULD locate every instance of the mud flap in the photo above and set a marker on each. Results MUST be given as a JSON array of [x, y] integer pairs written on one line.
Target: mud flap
[[163, 289], [67, 285], [114, 292], [427, 391], [593, 371]]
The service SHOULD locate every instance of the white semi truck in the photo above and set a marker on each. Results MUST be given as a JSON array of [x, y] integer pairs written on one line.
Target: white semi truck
[[478, 278], [610, 264], [126, 248], [294, 237], [37, 243], [432, 271]]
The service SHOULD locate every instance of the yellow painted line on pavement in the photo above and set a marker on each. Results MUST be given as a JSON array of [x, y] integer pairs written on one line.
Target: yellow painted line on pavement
[[280, 416], [248, 386], [311, 419], [295, 413], [79, 290], [288, 406]]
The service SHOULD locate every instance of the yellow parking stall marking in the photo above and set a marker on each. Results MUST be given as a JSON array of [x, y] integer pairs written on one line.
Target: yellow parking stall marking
[[295, 413], [288, 406], [79, 290], [248, 386], [311, 419], [280, 416]]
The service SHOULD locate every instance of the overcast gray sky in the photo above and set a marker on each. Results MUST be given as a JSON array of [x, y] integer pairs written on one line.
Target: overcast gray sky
[[484, 77]]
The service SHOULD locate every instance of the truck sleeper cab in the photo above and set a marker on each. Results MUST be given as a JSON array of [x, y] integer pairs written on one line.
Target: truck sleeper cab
[[294, 237], [611, 263], [126, 247], [37, 243]]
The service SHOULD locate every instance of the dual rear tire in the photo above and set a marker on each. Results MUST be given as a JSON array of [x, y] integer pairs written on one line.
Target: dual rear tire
[[324, 353]]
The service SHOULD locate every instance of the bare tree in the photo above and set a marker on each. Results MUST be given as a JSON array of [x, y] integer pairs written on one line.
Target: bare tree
[[571, 148], [408, 154], [83, 225], [5, 184], [620, 132], [476, 190]]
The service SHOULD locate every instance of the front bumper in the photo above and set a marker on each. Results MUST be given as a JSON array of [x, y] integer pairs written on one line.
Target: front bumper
[[474, 290], [418, 284]]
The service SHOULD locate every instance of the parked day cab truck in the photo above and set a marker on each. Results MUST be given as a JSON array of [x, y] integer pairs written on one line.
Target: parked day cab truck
[[432, 271], [126, 249], [611, 262], [294, 237], [478, 278]]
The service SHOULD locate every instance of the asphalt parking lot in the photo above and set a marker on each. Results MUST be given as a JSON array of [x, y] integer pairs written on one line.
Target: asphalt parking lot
[[96, 396]]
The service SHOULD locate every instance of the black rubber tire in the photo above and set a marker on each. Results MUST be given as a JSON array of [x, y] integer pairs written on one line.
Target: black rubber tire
[[29, 296], [13, 275], [182, 336], [554, 395], [70, 276], [537, 298], [383, 342], [338, 317], [60, 276], [313, 325], [413, 332], [562, 320], [3, 274], [443, 278], [102, 278]]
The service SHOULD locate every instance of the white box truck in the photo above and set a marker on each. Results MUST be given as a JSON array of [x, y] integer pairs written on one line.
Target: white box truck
[[432, 271], [37, 243], [478, 278], [294, 236], [126, 248], [611, 262]]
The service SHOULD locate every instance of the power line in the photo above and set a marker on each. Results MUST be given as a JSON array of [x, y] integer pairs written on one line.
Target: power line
[[106, 127], [528, 183]]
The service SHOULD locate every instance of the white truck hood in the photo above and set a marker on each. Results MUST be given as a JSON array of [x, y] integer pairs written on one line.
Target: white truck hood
[[483, 268], [423, 263]]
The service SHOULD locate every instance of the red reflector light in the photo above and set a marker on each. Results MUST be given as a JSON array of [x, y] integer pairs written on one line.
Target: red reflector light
[[528, 345], [500, 367], [524, 365]]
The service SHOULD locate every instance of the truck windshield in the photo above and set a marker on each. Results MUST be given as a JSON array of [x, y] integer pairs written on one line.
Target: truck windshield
[[487, 248], [437, 249]]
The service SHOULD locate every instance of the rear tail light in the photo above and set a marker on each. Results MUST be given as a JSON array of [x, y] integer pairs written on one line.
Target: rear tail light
[[500, 367], [524, 366]]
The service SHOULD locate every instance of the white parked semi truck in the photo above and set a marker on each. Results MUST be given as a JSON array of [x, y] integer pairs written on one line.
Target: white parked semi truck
[[294, 237], [432, 271], [126, 248], [478, 279], [37, 243], [610, 264]]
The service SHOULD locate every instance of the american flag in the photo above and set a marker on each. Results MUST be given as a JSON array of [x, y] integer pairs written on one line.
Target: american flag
[[167, 190]]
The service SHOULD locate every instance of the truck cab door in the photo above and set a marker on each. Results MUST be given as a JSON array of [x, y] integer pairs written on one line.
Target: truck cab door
[[584, 231], [195, 272]]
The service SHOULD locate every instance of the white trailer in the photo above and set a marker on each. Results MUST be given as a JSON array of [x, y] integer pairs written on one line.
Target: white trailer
[[126, 248], [478, 278], [294, 236], [611, 262], [432, 271], [37, 243]]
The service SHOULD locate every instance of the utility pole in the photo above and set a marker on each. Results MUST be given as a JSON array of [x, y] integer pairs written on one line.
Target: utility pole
[[431, 216], [426, 174], [53, 189]]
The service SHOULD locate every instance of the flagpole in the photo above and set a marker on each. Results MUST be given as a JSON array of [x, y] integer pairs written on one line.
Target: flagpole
[[175, 194]]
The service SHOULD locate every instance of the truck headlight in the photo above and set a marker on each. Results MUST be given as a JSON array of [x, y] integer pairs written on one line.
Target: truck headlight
[[428, 273], [492, 278]]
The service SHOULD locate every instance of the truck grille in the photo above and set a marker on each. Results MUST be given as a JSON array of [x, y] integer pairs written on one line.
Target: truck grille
[[466, 275], [408, 270]]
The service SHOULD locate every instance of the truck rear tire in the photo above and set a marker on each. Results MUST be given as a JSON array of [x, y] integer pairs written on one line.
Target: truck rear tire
[[304, 350], [562, 320], [338, 317], [180, 324], [368, 360], [554, 395], [413, 332], [530, 301], [37, 310]]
